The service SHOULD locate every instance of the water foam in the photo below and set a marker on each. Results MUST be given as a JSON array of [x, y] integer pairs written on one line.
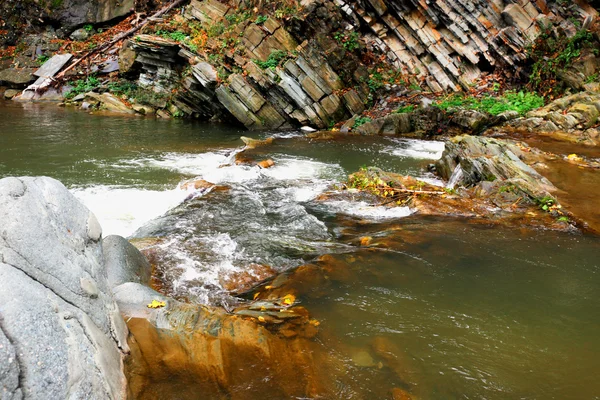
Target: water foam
[[121, 211], [365, 210], [414, 148]]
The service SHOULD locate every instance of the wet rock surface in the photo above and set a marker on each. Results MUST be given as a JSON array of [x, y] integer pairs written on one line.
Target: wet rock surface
[[65, 336]]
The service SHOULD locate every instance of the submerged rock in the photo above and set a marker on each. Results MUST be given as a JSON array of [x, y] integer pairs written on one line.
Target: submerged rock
[[59, 325]]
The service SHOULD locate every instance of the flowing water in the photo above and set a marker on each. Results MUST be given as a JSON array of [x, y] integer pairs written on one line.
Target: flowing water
[[443, 308]]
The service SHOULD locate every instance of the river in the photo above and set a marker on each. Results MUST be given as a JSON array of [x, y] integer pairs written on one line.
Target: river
[[444, 308]]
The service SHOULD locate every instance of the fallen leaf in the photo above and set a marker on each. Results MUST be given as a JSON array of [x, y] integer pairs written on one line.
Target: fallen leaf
[[156, 304], [288, 299]]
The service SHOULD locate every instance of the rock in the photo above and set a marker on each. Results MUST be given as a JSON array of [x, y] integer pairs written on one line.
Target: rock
[[163, 114], [80, 35], [10, 93], [108, 102], [16, 78], [254, 143], [588, 113], [142, 109], [266, 164], [400, 394], [471, 120], [487, 159], [73, 13], [307, 129], [58, 314], [133, 299], [127, 59], [123, 262]]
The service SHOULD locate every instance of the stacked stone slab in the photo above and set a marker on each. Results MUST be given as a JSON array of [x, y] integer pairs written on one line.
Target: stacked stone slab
[[450, 42]]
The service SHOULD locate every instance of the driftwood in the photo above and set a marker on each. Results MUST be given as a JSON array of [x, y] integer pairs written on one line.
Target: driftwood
[[120, 37], [400, 193]]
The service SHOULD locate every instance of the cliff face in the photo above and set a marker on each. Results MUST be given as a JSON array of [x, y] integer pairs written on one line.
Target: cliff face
[[320, 62], [451, 42]]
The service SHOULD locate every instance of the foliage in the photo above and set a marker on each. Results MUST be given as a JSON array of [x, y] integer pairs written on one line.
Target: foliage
[[546, 203], [176, 36], [88, 28], [551, 53], [83, 86], [42, 59], [520, 102], [375, 81], [405, 109], [360, 121], [261, 19], [274, 59], [348, 40]]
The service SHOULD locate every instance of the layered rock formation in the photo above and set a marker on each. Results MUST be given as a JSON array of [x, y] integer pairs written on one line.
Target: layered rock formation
[[324, 65], [450, 43], [61, 332]]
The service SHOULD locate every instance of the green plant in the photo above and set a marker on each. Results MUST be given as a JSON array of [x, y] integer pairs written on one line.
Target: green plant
[[261, 19], [546, 202], [42, 59], [348, 40], [521, 102], [360, 121], [176, 36], [215, 29], [375, 81], [83, 86], [551, 53], [591, 78], [405, 109], [275, 58], [88, 28]]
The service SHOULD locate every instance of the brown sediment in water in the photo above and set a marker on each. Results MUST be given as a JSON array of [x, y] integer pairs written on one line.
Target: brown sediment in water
[[214, 355]]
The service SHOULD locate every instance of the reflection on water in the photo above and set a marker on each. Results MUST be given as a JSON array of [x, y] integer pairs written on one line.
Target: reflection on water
[[441, 309]]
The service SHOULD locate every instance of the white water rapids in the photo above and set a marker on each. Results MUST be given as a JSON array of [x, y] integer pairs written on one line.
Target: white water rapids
[[263, 218]]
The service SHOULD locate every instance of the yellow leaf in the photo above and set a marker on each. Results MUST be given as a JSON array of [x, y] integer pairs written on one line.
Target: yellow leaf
[[261, 319], [268, 287], [288, 299], [314, 322], [156, 304], [255, 295]]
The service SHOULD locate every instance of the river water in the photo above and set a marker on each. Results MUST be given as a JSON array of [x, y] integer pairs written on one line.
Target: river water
[[444, 308]]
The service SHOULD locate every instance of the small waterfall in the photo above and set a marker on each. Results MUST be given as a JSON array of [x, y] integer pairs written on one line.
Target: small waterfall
[[456, 177]]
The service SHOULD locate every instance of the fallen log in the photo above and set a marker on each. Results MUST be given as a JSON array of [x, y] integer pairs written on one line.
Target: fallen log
[[119, 37]]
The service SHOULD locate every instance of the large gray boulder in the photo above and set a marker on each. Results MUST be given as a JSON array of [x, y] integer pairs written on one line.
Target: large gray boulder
[[61, 333], [73, 13]]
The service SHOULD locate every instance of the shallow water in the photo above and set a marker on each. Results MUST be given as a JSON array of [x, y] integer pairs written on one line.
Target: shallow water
[[442, 308]]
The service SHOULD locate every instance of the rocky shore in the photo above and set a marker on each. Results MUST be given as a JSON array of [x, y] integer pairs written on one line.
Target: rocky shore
[[83, 315]]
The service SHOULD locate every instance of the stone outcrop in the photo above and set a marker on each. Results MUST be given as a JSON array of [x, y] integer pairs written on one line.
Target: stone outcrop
[[271, 73], [450, 43], [72, 13], [471, 160], [571, 118], [61, 331]]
